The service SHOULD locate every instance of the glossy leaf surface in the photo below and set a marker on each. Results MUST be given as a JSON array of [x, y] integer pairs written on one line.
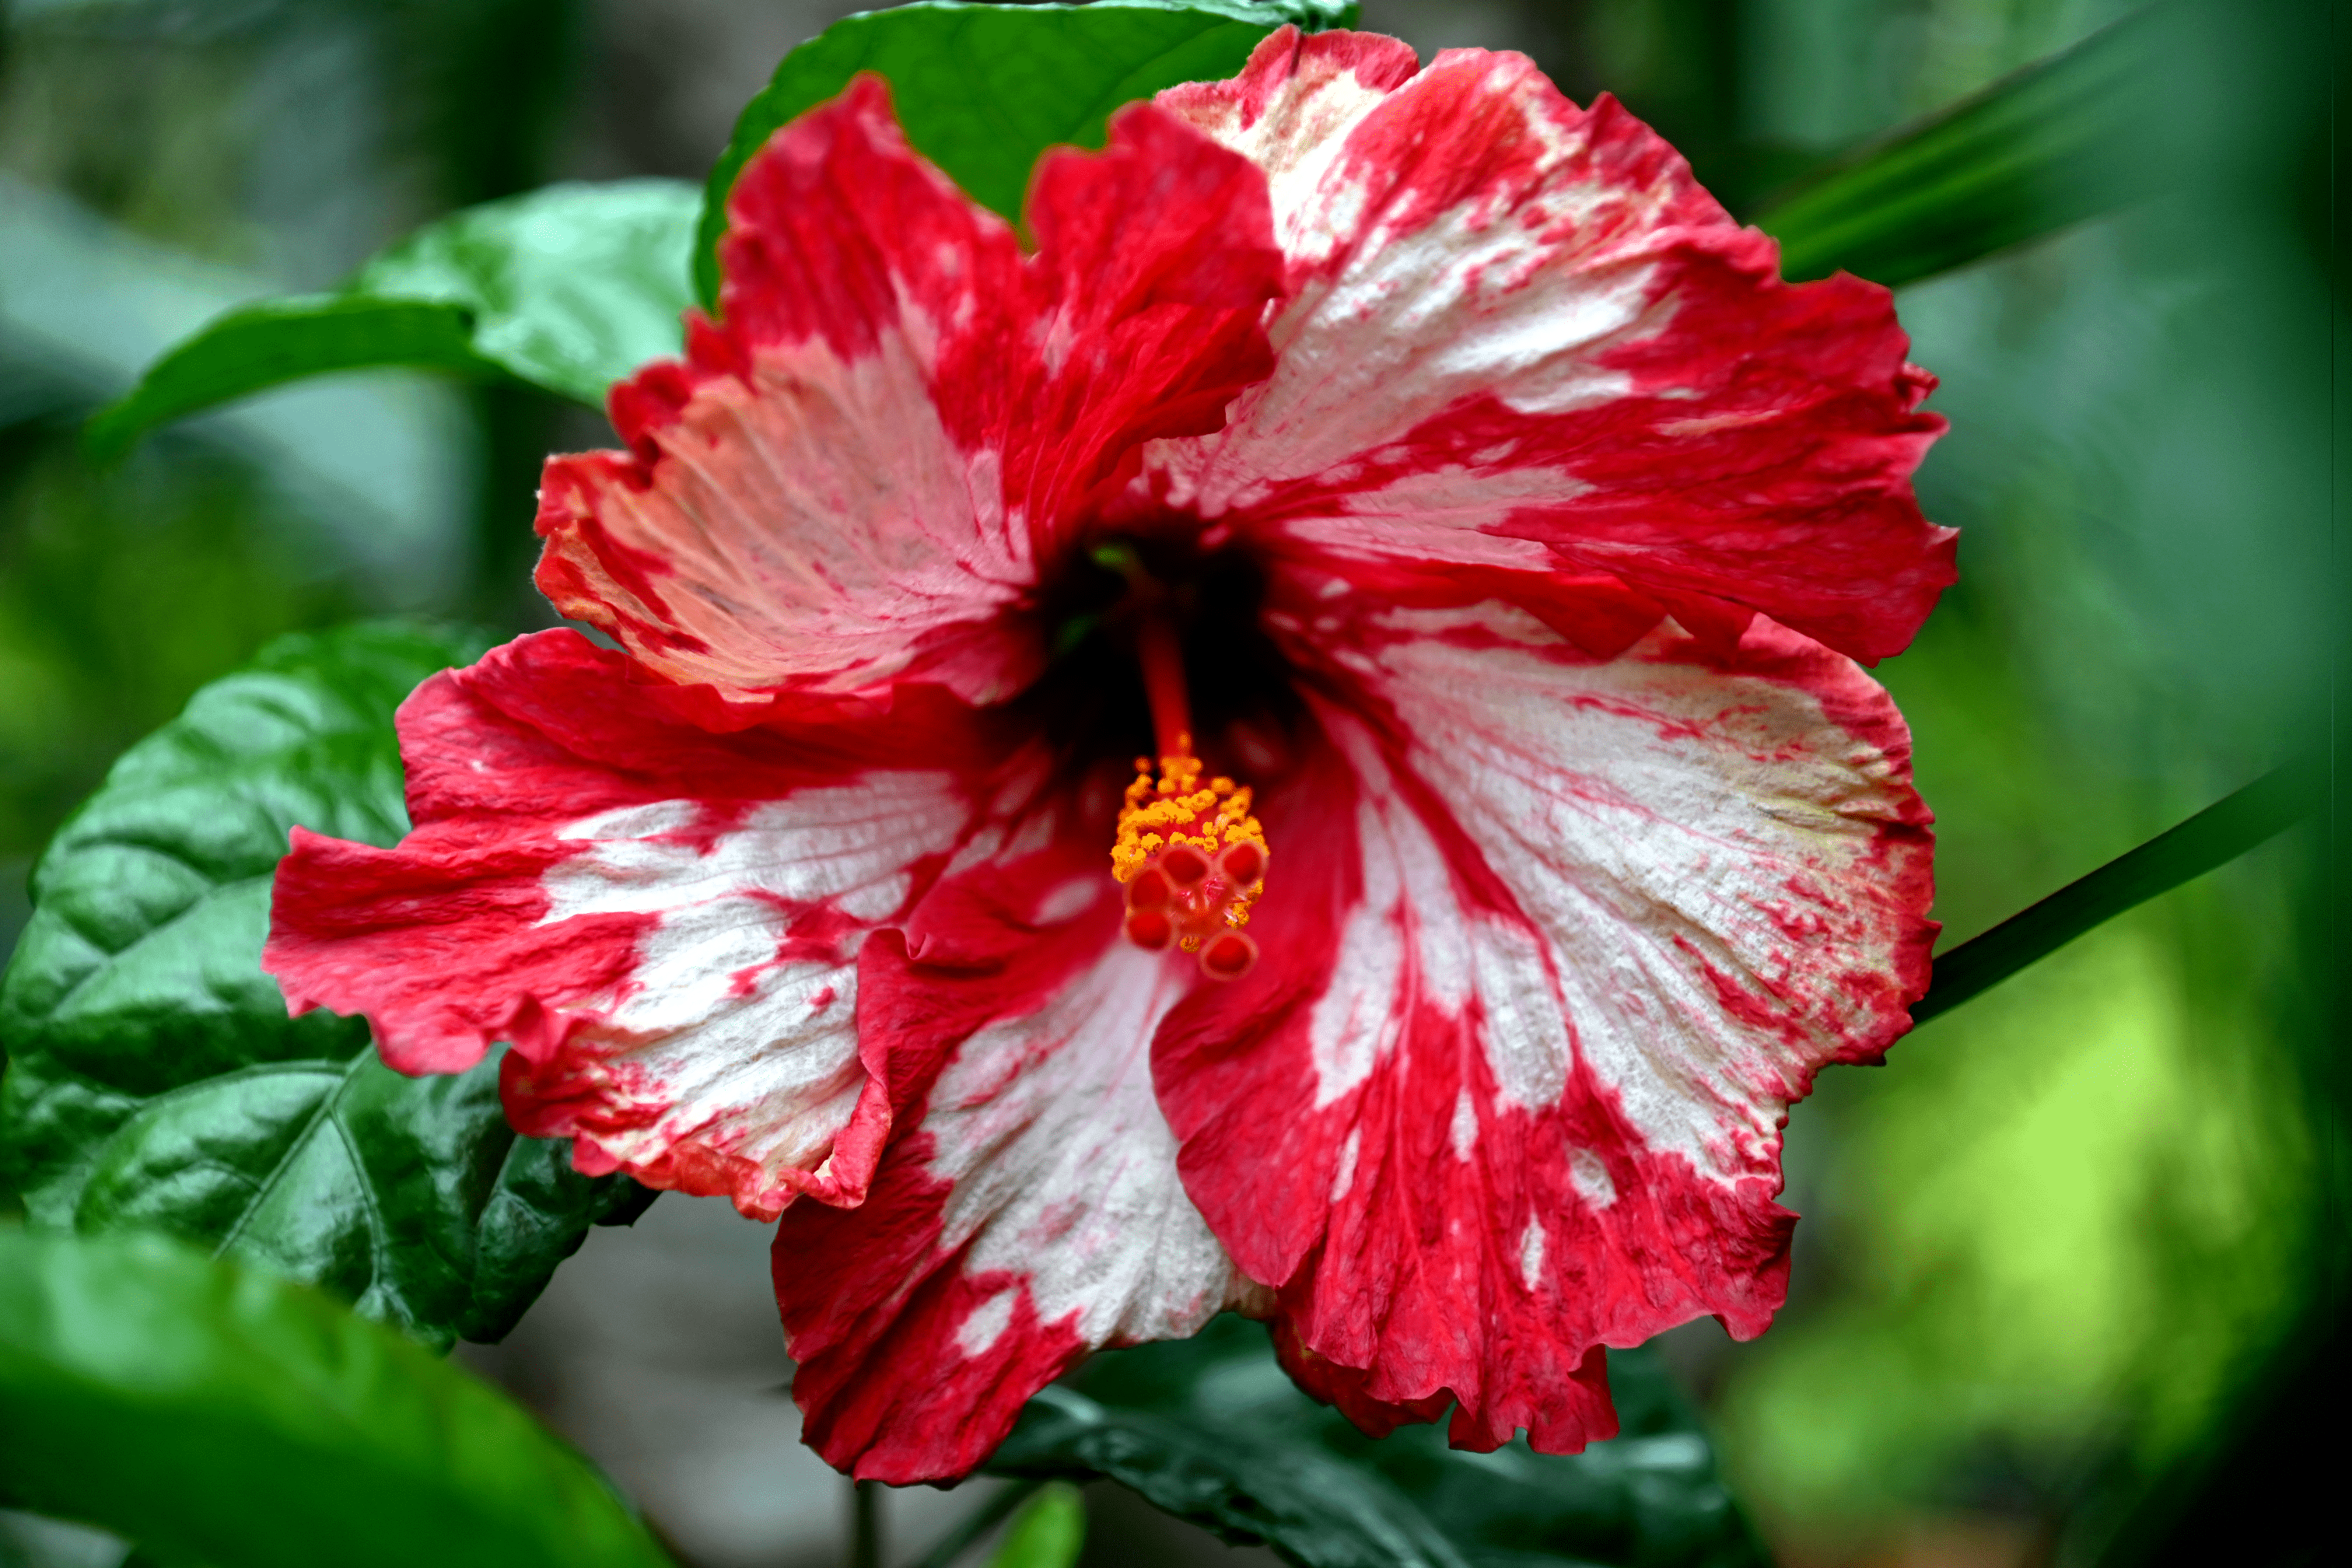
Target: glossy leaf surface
[[982, 90], [154, 1078], [219, 1415], [568, 289], [1212, 1430], [2063, 139]]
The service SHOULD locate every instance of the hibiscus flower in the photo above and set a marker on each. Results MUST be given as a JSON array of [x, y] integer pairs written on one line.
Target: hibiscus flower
[[1293, 746]]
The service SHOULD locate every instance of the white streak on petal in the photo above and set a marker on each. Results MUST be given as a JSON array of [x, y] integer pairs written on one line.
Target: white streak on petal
[[1070, 898], [1062, 1168], [1476, 302], [1525, 1033], [1590, 1174], [1661, 824], [817, 522], [814, 844], [1464, 1132], [1345, 1177], [710, 1031], [875, 899], [986, 1323], [1355, 1020], [1531, 1252]]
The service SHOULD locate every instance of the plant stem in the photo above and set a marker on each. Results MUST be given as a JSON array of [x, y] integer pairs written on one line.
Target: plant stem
[[978, 1523], [864, 1524]]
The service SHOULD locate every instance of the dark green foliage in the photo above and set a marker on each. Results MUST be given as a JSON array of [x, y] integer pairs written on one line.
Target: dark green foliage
[[221, 1415], [154, 1078], [1211, 1429], [568, 289], [2068, 138], [982, 90]]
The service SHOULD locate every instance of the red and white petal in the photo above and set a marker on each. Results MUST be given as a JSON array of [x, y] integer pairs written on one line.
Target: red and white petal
[[664, 922], [848, 482], [1555, 945], [1033, 1214], [1522, 340]]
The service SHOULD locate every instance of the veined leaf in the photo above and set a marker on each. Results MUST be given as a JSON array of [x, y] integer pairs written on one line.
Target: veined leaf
[[2214, 836], [153, 1078], [1246, 1488], [2066, 139], [1211, 1429], [218, 1415], [569, 288], [981, 90]]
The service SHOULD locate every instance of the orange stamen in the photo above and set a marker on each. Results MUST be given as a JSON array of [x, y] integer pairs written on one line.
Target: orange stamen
[[1192, 859], [1190, 854]]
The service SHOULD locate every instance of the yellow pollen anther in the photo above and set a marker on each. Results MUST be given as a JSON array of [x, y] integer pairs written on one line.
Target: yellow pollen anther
[[1192, 859]]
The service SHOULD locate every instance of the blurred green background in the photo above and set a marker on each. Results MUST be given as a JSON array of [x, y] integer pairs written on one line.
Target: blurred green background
[[2062, 1261]]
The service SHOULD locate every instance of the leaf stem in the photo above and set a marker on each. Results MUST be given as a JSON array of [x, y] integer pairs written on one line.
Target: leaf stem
[[2215, 836], [864, 1524], [978, 1523]]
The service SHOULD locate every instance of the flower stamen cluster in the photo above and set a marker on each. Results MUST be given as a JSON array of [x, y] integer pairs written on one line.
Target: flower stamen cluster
[[1192, 859]]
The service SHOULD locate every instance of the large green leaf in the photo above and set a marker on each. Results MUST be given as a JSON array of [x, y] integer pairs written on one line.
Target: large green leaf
[[2078, 134], [2214, 836], [982, 90], [219, 1415], [153, 1076], [1212, 1430], [569, 288]]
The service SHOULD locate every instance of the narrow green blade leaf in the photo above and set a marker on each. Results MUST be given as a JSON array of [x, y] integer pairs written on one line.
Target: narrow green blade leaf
[[2074, 135], [1211, 1429], [1048, 1533], [218, 1415], [568, 289], [283, 340], [153, 1076], [2214, 836], [982, 90]]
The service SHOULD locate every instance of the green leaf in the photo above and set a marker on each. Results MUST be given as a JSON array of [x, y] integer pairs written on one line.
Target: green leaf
[[154, 1078], [1211, 1429], [1307, 1505], [569, 288], [981, 90], [2080, 133], [219, 1415], [1048, 1533], [2214, 836]]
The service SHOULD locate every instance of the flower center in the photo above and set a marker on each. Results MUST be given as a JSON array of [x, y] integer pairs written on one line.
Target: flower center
[[1190, 854]]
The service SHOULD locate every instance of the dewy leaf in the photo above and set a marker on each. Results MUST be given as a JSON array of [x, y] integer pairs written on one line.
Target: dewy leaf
[[1212, 1430], [218, 1415], [2214, 836], [569, 288], [2080, 133], [982, 90], [153, 1076]]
